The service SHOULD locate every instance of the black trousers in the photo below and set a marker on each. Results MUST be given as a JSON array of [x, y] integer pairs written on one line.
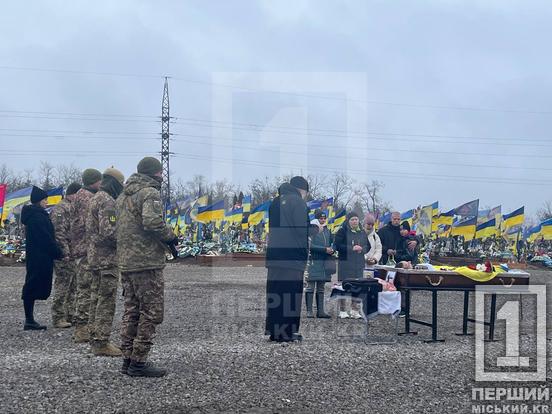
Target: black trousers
[[284, 296]]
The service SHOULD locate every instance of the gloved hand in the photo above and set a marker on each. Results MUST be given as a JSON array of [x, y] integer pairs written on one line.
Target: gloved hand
[[172, 247]]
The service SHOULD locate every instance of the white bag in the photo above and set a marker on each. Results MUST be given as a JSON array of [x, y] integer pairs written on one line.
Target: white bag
[[389, 302]]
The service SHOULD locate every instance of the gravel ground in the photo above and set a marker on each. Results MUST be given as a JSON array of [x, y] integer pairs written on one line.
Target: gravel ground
[[219, 361]]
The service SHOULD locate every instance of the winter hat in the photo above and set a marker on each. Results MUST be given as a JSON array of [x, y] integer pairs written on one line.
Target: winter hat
[[115, 173], [38, 194], [319, 213], [405, 225], [149, 166], [91, 176], [300, 183], [73, 188], [351, 215]]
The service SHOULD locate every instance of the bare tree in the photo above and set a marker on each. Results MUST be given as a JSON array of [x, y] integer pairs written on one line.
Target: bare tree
[[28, 177], [46, 175], [370, 195], [341, 188], [66, 174], [222, 189], [263, 189], [545, 212], [317, 186]]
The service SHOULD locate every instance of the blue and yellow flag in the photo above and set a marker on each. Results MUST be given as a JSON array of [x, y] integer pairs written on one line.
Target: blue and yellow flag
[[246, 206], [434, 209], [15, 199], [515, 218], [546, 229], [465, 228], [335, 222], [259, 213], [486, 229], [234, 216], [55, 195], [211, 212]]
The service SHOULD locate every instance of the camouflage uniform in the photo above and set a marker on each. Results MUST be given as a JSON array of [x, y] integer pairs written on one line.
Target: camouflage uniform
[[79, 244], [102, 261], [141, 235], [63, 303]]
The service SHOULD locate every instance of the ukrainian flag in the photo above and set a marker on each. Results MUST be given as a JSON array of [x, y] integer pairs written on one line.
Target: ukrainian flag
[[259, 213], [246, 206], [337, 220], [15, 199], [55, 195], [546, 229], [234, 216], [486, 229], [383, 220], [515, 218], [465, 228], [201, 201], [533, 233], [444, 219], [211, 212], [435, 209]]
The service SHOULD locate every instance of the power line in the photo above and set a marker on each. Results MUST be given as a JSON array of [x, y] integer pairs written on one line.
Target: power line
[[80, 132], [78, 114], [405, 174], [393, 150], [343, 133], [76, 119], [333, 156], [285, 93]]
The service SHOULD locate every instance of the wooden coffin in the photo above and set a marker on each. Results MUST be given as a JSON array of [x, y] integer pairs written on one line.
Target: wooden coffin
[[414, 278]]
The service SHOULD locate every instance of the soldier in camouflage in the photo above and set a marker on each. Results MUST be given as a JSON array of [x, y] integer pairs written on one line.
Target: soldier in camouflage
[[91, 179], [63, 303], [102, 261], [142, 239]]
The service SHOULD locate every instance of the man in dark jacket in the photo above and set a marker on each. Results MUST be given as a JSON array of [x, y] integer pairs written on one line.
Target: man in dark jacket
[[41, 251], [390, 236], [286, 258]]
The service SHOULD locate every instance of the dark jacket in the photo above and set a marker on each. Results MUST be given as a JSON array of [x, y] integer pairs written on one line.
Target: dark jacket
[[288, 230], [318, 256], [351, 263], [41, 251], [390, 237], [404, 254]]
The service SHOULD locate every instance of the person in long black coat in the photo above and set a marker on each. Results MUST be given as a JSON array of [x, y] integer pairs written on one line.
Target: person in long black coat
[[286, 259], [390, 236], [41, 251], [351, 243]]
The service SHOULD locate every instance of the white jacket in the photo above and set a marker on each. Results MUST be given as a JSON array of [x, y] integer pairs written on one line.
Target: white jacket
[[375, 247]]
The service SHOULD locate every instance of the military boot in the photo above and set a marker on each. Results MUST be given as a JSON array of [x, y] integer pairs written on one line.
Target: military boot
[[144, 369], [81, 334], [320, 306], [124, 368], [107, 349], [61, 324]]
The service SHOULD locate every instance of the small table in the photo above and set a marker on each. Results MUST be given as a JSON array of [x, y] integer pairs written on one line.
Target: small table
[[440, 280]]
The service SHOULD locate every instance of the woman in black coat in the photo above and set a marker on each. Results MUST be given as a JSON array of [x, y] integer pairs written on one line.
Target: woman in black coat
[[41, 251], [351, 243]]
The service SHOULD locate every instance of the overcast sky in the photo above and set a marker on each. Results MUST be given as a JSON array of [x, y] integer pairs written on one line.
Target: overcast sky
[[440, 100]]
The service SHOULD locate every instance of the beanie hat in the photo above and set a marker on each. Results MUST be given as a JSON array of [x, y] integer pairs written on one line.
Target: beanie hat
[[115, 173], [72, 188], [351, 215], [405, 225], [91, 176], [300, 183], [149, 166], [38, 194], [319, 213]]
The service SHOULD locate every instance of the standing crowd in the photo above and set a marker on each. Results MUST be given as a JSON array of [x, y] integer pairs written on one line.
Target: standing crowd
[[102, 234], [296, 244]]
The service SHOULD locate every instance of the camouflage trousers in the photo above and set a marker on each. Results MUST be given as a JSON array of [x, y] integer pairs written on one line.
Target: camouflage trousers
[[64, 301], [84, 280], [143, 310], [103, 293]]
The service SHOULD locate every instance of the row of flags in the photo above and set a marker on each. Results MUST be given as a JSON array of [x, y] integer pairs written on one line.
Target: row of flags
[[465, 220]]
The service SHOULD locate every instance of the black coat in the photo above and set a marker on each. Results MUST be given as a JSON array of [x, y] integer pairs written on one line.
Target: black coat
[[390, 237], [351, 264], [288, 230], [405, 254], [41, 251]]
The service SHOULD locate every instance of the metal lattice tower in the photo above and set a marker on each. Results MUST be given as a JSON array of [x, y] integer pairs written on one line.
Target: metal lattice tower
[[165, 152]]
